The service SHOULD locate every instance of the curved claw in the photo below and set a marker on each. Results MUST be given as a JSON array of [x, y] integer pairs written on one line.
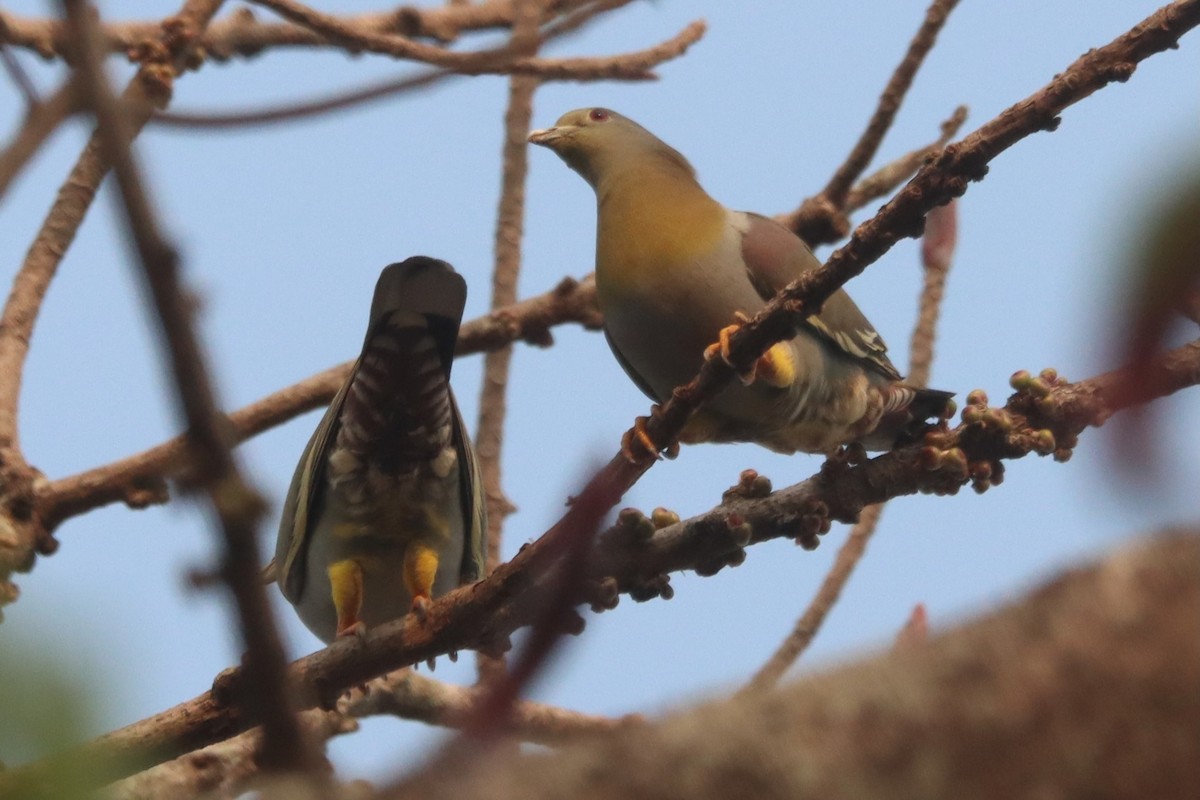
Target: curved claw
[[420, 607], [775, 365], [639, 436]]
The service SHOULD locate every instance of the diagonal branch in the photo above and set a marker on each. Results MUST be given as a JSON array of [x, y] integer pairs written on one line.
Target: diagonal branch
[[937, 249], [150, 87], [823, 216], [816, 229], [139, 480], [238, 507], [41, 121], [947, 176], [629, 559]]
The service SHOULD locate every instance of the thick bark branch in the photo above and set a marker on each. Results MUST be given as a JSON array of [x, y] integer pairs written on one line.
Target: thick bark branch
[[1088, 687]]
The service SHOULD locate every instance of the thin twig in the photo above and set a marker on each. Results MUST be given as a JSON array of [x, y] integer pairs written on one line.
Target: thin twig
[[139, 480], [814, 226], [237, 506], [501, 60], [889, 103], [884, 180], [510, 229], [408, 695], [349, 99], [936, 256], [232, 765], [15, 71], [240, 33], [823, 216], [310, 108], [41, 121]]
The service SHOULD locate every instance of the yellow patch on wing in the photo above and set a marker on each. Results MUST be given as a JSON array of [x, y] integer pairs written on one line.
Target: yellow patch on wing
[[777, 366]]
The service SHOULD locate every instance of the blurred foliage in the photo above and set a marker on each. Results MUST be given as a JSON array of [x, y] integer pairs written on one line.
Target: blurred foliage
[[48, 703]]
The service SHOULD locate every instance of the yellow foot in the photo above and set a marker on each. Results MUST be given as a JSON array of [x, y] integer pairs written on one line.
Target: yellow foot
[[346, 582], [636, 444], [775, 366]]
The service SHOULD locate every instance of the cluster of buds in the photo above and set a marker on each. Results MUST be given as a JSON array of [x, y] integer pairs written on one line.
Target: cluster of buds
[[1037, 395], [750, 486], [814, 523], [943, 455]]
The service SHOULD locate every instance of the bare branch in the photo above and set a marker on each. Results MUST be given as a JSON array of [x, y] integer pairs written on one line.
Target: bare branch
[[15, 71], [889, 103], [408, 695], [1086, 687], [510, 228], [140, 480], [150, 87], [945, 177], [238, 507], [824, 216], [230, 766], [884, 180], [937, 251], [623, 560], [240, 33], [502, 60], [41, 121]]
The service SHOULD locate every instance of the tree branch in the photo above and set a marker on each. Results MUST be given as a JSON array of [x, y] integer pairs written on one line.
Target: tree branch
[[237, 506], [510, 228], [240, 34], [23, 534], [140, 480], [823, 216], [945, 177], [1087, 687], [627, 558], [937, 249]]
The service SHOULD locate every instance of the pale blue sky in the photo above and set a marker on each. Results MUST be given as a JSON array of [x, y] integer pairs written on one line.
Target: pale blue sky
[[284, 230]]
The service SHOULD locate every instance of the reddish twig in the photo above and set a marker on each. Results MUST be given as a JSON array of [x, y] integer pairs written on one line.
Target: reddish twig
[[915, 631]]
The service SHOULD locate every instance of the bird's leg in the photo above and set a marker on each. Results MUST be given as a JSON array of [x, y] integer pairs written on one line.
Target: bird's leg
[[776, 366], [420, 567], [346, 582]]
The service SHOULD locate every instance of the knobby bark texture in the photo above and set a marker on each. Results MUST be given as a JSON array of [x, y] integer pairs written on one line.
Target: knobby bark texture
[[1088, 687]]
